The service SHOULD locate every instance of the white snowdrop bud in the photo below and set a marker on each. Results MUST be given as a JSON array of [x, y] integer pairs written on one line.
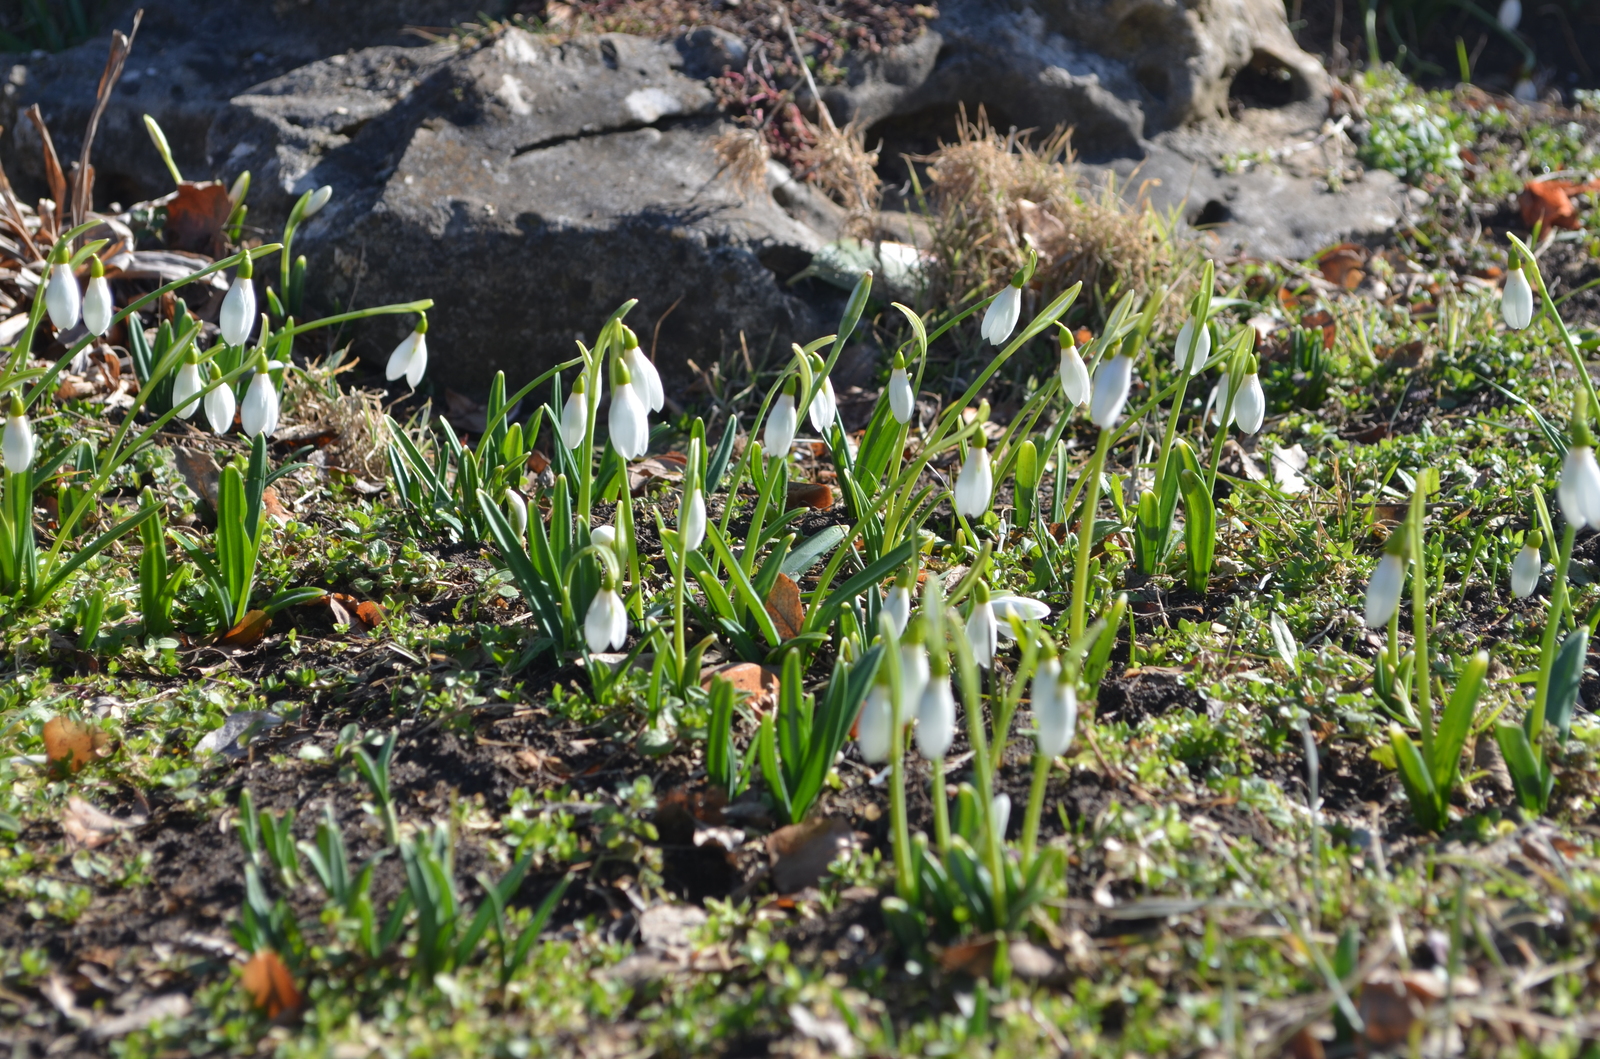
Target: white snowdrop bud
[[259, 414], [220, 406], [1579, 491], [517, 512], [97, 306], [1516, 300], [187, 386], [1111, 385], [606, 624], [1383, 591], [875, 727], [824, 407], [16, 445], [975, 482], [902, 398], [1074, 373], [1193, 348], [629, 421], [237, 317], [781, 423], [574, 416], [983, 631], [410, 358], [1001, 317], [692, 519], [646, 380], [1250, 407], [61, 298], [936, 719], [1527, 566]]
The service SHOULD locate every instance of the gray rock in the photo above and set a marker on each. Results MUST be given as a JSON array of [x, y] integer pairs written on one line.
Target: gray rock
[[231, 740]]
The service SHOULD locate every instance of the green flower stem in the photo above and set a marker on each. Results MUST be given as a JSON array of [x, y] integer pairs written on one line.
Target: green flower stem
[[905, 875], [1552, 626], [1091, 500], [972, 703], [419, 306], [1030, 822], [941, 809], [1422, 674]]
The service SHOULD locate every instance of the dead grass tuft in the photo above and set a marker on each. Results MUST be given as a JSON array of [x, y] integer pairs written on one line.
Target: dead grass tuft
[[742, 159], [347, 425], [994, 195], [837, 161]]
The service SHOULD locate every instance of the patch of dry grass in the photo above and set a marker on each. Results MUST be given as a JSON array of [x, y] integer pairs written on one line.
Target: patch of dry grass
[[993, 195]]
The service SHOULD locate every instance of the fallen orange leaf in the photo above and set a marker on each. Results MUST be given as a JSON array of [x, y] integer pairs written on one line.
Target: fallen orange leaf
[[1549, 203], [810, 494], [69, 745], [783, 603], [196, 214], [371, 614], [251, 628], [271, 987]]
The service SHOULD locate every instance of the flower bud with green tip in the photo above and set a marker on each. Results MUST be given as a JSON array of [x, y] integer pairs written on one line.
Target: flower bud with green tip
[[410, 358], [575, 414], [936, 712], [1074, 374], [781, 423], [825, 405], [61, 297], [97, 305], [1111, 385], [220, 405], [517, 512], [1579, 491], [1000, 319], [875, 726], [902, 398], [259, 413], [238, 314], [17, 443], [983, 632], [319, 198], [646, 380], [913, 662], [186, 386], [1516, 300], [606, 624], [1193, 347], [1527, 566], [975, 482], [629, 421], [897, 604], [692, 518]]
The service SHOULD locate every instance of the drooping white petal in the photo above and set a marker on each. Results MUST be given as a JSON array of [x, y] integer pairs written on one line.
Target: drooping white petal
[[1579, 491], [1042, 691], [409, 359], [1516, 300], [1074, 377], [1510, 14], [600, 625], [692, 522], [974, 484], [902, 399], [1111, 384], [97, 307], [1525, 570], [1056, 716], [1000, 813], [61, 297], [1000, 319], [779, 434], [220, 406], [517, 512], [983, 632], [17, 446], [646, 381], [824, 407], [604, 536], [238, 315], [319, 198], [936, 720], [259, 414], [875, 727], [1250, 407], [1024, 607], [573, 420], [630, 423], [897, 604], [1383, 591], [1192, 351], [913, 675], [185, 387]]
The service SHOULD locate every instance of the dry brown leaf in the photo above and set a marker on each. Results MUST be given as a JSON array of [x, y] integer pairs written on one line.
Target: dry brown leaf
[[69, 745], [371, 614], [89, 827], [196, 214], [201, 474], [666, 467], [1341, 265], [759, 684], [787, 610], [1549, 203], [273, 506], [251, 628], [801, 853], [271, 987], [814, 495]]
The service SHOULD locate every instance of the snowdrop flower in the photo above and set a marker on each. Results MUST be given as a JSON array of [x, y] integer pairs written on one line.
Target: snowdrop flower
[[1074, 374], [1527, 566], [1111, 384], [606, 624], [97, 307], [824, 407], [574, 415], [1525, 91], [187, 386], [220, 406], [629, 421], [913, 665], [17, 444], [1001, 318], [410, 358], [1000, 813], [1579, 492], [61, 298], [692, 519], [603, 536], [875, 727], [646, 380], [1516, 300], [983, 632], [259, 414], [1250, 407], [517, 512], [1024, 608], [1383, 591], [1510, 14], [975, 483], [1194, 347], [238, 315], [897, 605], [936, 719], [1055, 708], [779, 435], [902, 398], [319, 198]]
